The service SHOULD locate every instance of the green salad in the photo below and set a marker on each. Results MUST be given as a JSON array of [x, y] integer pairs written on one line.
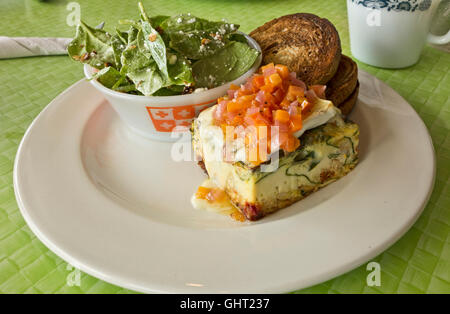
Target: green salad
[[163, 55]]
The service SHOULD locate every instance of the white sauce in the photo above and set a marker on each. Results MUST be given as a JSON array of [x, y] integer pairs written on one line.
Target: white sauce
[[322, 112]]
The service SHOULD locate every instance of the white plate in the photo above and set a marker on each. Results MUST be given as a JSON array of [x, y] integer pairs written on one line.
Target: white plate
[[116, 206]]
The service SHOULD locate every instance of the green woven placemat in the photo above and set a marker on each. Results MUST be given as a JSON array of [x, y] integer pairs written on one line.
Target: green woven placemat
[[419, 262]]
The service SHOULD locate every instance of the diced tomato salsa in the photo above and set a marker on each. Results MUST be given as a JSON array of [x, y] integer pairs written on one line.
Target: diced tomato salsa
[[273, 96], [210, 194]]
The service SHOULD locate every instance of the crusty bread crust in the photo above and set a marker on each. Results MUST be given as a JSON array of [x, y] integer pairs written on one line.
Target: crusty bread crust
[[347, 106], [343, 83], [201, 164], [306, 43]]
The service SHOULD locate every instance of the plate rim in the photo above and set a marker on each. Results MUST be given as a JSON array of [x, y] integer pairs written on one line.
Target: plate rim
[[287, 287]]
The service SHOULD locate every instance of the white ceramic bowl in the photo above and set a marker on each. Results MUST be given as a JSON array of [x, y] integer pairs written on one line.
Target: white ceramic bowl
[[155, 117]]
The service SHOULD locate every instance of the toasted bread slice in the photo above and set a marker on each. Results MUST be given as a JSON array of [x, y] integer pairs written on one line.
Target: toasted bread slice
[[347, 105], [306, 43], [343, 83]]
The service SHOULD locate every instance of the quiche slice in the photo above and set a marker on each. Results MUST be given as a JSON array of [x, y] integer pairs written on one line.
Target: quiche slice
[[326, 153]]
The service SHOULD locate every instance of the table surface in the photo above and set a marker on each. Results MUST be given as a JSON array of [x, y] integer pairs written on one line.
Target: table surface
[[418, 263]]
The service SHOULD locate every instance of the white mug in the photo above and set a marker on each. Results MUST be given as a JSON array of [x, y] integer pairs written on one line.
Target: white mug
[[391, 33]]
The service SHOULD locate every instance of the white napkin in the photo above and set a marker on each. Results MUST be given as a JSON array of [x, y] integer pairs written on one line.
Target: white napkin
[[15, 47]]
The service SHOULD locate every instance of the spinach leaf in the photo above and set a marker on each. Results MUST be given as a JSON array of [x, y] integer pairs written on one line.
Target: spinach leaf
[[169, 90], [226, 65], [180, 70], [194, 37], [188, 22], [128, 88], [157, 20], [140, 67], [92, 46], [129, 22], [123, 36], [196, 44], [147, 80], [237, 37], [108, 76], [132, 57], [132, 35], [111, 78], [118, 46], [174, 67], [154, 42], [135, 56]]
